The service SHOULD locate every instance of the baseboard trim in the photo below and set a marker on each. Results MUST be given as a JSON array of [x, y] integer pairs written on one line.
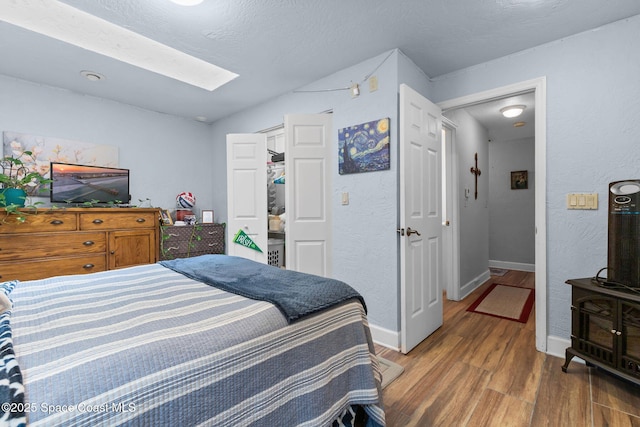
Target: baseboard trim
[[385, 337], [474, 284], [507, 265], [556, 346]]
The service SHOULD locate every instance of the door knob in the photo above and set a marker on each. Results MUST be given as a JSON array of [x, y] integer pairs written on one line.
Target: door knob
[[410, 231]]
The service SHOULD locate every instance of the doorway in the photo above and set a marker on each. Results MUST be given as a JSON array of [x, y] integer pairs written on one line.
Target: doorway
[[450, 229], [538, 88]]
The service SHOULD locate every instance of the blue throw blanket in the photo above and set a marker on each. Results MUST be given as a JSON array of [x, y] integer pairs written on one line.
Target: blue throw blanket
[[295, 294]]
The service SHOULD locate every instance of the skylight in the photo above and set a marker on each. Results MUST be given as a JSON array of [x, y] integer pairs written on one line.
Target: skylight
[[68, 24]]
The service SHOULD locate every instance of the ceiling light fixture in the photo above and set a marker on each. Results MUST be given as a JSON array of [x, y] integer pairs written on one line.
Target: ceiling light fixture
[[512, 111], [92, 76], [70, 25], [187, 2]]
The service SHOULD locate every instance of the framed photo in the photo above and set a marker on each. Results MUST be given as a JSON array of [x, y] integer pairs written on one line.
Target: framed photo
[[165, 216], [519, 180], [207, 216]]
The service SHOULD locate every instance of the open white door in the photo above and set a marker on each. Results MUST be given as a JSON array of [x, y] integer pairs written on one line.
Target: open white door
[[451, 229], [247, 193], [420, 218], [308, 157]]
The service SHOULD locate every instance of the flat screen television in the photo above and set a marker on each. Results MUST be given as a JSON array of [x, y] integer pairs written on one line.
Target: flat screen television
[[83, 183]]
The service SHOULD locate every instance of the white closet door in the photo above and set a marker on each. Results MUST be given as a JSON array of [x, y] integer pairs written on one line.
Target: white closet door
[[247, 193], [308, 187]]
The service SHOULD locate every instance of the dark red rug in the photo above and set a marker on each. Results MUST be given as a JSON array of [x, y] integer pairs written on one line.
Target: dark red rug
[[505, 301]]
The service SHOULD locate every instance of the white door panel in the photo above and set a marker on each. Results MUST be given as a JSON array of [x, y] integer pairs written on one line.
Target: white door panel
[[308, 206], [420, 218], [247, 193], [311, 256], [308, 157]]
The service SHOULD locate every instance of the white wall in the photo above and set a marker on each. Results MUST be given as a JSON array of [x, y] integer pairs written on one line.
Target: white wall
[[365, 249], [511, 212], [593, 102], [166, 154]]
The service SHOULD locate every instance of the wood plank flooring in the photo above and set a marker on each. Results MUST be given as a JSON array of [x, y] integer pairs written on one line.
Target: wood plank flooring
[[478, 370]]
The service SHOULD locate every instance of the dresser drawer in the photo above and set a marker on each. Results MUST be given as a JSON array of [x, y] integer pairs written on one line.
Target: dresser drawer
[[174, 248], [35, 245], [208, 245], [117, 220], [213, 232], [32, 270], [40, 222]]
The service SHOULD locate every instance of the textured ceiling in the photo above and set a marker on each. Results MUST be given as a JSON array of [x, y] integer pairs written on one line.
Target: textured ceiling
[[279, 45]]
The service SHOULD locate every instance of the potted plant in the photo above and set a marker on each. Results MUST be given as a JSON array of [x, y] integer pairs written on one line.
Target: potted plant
[[16, 179]]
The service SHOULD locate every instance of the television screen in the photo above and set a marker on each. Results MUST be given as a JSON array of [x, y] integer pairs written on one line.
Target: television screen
[[83, 183]]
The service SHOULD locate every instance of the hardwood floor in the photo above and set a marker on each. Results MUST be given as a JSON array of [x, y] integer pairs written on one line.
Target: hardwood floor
[[478, 370]]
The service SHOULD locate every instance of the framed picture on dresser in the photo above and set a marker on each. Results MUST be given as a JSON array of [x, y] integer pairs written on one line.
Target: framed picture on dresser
[[165, 216], [207, 216]]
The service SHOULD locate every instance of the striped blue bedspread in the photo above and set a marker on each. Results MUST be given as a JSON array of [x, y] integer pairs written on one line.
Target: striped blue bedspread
[[148, 346]]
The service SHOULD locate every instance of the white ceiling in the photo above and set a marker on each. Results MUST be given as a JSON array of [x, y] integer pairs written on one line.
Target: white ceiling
[[501, 128], [277, 46]]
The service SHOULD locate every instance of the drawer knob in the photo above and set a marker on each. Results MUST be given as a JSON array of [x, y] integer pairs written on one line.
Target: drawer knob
[[88, 243], [140, 220], [56, 222], [87, 266], [98, 221]]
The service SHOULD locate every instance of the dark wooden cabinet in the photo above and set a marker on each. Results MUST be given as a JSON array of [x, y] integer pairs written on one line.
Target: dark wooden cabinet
[[191, 240], [605, 328]]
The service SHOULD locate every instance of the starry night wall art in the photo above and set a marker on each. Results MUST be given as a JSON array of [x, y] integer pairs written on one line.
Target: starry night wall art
[[364, 147]]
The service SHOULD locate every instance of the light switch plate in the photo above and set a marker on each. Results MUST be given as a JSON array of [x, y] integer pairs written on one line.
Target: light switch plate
[[373, 83], [588, 201]]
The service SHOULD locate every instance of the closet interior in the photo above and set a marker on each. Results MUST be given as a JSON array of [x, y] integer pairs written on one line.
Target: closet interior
[[276, 196]]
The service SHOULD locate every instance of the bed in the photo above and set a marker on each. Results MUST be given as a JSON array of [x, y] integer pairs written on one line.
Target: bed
[[161, 345]]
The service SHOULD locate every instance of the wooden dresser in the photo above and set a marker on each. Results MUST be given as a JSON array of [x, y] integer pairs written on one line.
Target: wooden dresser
[[63, 241]]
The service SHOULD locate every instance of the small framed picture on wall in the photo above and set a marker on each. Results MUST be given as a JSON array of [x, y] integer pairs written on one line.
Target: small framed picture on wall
[[207, 216], [519, 180]]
